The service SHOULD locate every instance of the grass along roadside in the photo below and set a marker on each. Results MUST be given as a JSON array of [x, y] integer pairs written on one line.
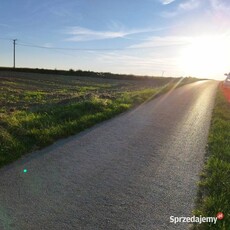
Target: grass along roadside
[[26, 130], [214, 187], [36, 110]]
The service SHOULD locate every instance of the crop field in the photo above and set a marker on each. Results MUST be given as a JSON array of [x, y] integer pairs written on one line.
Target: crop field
[[37, 109]]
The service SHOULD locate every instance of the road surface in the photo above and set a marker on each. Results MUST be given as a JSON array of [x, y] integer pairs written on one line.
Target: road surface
[[131, 172]]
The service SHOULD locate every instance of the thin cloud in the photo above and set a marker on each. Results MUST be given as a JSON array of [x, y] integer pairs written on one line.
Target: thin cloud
[[84, 34], [152, 63], [166, 2], [182, 7], [220, 5], [48, 45], [155, 42], [189, 5], [4, 25]]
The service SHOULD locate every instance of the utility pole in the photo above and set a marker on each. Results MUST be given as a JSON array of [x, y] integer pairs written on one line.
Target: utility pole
[[14, 43], [162, 73]]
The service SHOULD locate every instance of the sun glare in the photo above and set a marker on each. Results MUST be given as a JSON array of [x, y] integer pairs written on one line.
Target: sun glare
[[206, 56]]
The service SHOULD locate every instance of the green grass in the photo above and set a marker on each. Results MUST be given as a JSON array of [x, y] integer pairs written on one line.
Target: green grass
[[38, 109], [214, 187]]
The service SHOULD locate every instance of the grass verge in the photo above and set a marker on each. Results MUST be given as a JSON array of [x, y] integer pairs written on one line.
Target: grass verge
[[214, 187], [24, 131], [38, 109]]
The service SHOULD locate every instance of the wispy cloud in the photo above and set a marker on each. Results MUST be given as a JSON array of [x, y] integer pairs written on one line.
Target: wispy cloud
[[189, 5], [219, 10], [154, 42], [47, 45], [182, 7], [61, 12], [220, 5], [166, 2], [84, 34], [5, 25], [153, 63]]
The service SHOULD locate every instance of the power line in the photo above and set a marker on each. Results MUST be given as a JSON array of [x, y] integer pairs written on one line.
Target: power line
[[59, 49], [98, 49], [62, 48], [91, 49]]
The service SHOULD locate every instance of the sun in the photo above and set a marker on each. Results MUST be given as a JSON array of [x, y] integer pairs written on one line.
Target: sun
[[206, 56]]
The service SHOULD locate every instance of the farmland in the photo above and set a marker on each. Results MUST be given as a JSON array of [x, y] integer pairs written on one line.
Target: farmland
[[37, 109]]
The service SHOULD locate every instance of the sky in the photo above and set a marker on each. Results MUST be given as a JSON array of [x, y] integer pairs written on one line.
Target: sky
[[143, 37]]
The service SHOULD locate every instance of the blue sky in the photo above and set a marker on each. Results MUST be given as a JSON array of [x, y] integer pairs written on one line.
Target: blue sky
[[145, 37]]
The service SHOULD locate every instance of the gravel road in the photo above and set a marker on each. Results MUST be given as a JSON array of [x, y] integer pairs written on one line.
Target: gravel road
[[131, 172]]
